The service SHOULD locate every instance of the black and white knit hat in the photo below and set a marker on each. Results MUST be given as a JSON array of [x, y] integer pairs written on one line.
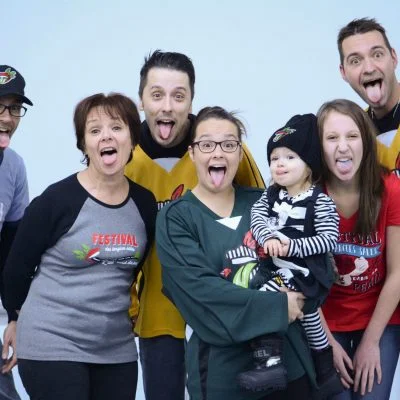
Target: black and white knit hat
[[300, 134]]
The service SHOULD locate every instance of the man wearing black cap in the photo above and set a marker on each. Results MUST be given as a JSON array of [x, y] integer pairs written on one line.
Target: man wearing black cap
[[13, 194]]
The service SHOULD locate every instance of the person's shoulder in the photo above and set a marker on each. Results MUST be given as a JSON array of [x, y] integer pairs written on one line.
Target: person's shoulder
[[62, 189], [138, 190], [391, 182], [12, 157], [68, 182], [66, 193], [320, 193], [178, 206], [391, 179]]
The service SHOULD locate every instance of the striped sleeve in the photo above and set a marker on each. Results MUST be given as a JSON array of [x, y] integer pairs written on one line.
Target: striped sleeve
[[259, 220], [326, 224]]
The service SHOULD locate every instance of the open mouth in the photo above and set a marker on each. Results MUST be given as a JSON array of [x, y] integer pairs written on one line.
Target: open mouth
[[4, 137], [373, 83], [374, 90], [217, 174], [344, 165], [108, 155], [108, 151], [165, 127]]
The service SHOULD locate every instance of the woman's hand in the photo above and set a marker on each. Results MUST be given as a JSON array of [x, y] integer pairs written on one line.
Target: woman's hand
[[367, 362], [342, 362], [9, 340], [295, 305]]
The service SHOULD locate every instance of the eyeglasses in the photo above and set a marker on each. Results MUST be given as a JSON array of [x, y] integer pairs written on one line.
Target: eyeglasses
[[16, 110], [208, 146]]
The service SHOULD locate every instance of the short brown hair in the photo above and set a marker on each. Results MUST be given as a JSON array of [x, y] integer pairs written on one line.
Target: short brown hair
[[168, 60], [371, 189], [360, 26], [116, 105]]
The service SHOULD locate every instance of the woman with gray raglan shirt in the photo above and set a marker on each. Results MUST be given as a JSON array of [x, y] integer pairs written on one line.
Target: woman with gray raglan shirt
[[83, 241]]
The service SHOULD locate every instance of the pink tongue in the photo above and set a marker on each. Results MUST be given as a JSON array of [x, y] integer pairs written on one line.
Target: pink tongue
[[165, 130], [109, 159], [374, 93], [217, 176], [4, 140], [344, 167]]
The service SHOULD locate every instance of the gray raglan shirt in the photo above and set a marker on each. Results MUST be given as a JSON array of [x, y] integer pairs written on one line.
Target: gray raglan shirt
[[87, 255]]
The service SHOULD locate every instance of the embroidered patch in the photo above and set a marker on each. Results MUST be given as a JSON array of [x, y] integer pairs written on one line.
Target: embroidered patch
[[284, 132], [7, 76]]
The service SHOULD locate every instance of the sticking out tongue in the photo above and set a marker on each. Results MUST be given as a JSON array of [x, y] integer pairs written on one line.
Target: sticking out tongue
[[344, 167], [217, 176], [165, 130], [374, 92], [109, 159], [4, 140]]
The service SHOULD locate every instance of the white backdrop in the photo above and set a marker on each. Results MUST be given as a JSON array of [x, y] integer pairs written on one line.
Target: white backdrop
[[268, 59], [265, 58]]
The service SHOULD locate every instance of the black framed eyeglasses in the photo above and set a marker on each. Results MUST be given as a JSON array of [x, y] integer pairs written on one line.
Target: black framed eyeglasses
[[16, 110], [208, 146]]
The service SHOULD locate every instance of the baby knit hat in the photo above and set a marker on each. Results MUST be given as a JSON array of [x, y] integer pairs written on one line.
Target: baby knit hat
[[300, 134]]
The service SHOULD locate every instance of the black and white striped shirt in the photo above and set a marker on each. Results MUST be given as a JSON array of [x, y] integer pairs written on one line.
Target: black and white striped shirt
[[291, 212]]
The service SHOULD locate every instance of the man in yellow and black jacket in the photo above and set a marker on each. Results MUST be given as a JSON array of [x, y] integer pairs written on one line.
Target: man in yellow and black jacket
[[162, 164]]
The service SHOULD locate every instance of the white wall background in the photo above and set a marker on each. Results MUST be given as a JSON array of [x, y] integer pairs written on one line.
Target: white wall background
[[268, 59]]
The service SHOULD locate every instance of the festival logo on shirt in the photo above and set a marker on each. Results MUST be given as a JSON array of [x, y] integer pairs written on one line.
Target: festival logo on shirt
[[358, 261], [176, 193], [110, 245]]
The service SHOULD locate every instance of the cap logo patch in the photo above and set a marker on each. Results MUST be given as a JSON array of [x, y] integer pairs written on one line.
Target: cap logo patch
[[282, 133], [7, 76]]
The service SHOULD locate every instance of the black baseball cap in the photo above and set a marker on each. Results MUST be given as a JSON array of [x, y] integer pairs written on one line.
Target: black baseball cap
[[12, 83]]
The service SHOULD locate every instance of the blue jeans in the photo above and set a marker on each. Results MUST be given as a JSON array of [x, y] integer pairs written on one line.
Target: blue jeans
[[163, 367], [7, 387], [389, 346]]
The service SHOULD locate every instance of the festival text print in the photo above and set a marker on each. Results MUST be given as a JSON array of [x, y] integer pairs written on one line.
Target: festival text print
[[113, 244], [362, 257]]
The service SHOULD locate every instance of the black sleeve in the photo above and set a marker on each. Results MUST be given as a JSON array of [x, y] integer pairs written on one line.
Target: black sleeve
[[147, 206], [46, 219], [30, 242], [7, 236]]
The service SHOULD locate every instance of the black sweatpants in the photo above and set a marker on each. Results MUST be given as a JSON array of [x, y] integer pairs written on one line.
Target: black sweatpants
[[67, 380]]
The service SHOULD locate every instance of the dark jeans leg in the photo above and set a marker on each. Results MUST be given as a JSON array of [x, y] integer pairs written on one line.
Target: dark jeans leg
[[299, 389], [113, 381], [163, 367], [50, 380]]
